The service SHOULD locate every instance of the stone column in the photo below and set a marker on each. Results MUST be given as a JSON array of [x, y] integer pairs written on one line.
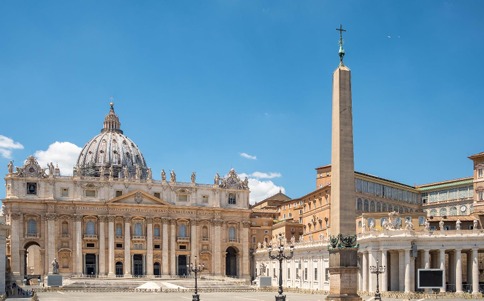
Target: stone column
[[442, 267], [111, 235], [364, 270], [193, 239], [15, 244], [394, 270], [102, 246], [51, 254], [3, 253], [127, 247], [217, 241], [458, 271], [149, 247], [245, 251], [78, 250], [173, 247], [401, 270], [408, 277], [372, 256], [426, 258], [384, 275], [164, 248], [475, 272]]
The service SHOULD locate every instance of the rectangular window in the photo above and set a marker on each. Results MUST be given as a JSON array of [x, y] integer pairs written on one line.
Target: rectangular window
[[119, 193], [481, 195], [157, 246], [274, 273], [64, 192], [90, 245], [315, 274], [119, 246], [326, 275], [90, 193], [205, 199], [182, 198], [305, 274], [183, 247], [157, 195], [31, 188], [297, 273], [480, 173], [288, 273]]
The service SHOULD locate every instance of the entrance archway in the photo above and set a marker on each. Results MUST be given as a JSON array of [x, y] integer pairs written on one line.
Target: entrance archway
[[231, 262], [33, 261], [119, 269]]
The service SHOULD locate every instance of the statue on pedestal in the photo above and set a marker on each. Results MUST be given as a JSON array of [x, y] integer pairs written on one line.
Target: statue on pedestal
[[55, 266]]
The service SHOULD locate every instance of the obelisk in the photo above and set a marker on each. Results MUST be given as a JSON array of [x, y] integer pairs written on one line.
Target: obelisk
[[343, 247]]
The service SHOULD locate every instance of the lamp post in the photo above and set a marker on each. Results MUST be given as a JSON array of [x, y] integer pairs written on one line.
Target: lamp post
[[196, 268], [280, 256], [378, 269]]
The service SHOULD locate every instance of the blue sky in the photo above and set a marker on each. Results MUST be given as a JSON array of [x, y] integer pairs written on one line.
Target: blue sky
[[197, 84]]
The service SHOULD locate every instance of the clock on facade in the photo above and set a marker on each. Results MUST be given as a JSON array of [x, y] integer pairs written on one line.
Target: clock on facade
[[463, 208]]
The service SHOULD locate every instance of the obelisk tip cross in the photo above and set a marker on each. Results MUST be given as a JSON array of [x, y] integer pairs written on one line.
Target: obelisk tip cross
[[341, 50]]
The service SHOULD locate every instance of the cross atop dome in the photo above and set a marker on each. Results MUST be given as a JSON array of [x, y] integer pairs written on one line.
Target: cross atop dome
[[341, 49]]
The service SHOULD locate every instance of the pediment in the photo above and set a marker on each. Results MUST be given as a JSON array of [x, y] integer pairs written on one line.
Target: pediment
[[139, 198]]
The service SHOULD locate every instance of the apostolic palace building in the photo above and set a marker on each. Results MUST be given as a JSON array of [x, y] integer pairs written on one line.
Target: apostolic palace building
[[111, 218]]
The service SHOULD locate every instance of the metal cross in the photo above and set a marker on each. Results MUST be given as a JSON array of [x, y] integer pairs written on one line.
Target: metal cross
[[341, 50]]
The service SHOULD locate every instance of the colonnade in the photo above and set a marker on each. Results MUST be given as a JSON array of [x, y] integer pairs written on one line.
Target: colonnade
[[401, 267]]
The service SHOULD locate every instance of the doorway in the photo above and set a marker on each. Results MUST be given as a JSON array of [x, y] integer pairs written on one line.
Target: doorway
[[138, 265], [231, 262], [90, 265], [182, 265]]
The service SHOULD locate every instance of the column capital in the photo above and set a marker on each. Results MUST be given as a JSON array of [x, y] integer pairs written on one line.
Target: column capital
[[172, 221], [246, 224], [165, 220], [127, 219], [194, 222], [78, 217], [111, 218], [149, 219], [15, 216], [217, 222], [103, 218], [50, 216]]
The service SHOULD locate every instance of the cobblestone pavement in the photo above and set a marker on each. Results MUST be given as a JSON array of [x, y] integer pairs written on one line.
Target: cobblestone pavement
[[234, 296]]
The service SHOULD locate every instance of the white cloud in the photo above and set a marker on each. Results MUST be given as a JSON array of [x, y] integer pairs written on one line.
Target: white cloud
[[259, 189], [247, 156], [7, 145], [265, 175], [62, 153]]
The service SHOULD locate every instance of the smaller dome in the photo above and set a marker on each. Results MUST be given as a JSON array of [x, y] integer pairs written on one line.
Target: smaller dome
[[111, 153]]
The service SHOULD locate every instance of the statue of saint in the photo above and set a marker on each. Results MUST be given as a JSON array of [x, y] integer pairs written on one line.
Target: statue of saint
[[475, 224], [125, 172], [10, 167], [150, 175], [193, 178], [51, 169], [111, 171], [55, 266], [216, 180], [163, 175], [457, 224], [172, 176], [441, 225]]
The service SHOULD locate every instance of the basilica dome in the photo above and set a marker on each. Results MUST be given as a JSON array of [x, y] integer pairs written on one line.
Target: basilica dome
[[111, 153]]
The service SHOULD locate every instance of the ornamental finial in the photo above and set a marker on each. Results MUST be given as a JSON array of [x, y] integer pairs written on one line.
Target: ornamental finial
[[341, 49]]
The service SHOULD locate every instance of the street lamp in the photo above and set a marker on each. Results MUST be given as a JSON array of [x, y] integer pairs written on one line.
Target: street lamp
[[378, 269], [280, 256], [196, 268]]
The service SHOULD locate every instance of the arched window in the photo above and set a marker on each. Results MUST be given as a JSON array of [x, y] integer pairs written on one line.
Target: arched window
[[156, 231], [443, 211], [433, 212], [359, 205], [453, 211], [65, 228], [384, 207], [372, 206], [119, 230], [232, 199], [182, 230], [232, 236], [32, 227], [205, 233], [366, 206], [378, 207], [90, 230], [138, 229]]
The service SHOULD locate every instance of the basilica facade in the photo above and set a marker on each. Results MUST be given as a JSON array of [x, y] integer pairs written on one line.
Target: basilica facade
[[112, 219]]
